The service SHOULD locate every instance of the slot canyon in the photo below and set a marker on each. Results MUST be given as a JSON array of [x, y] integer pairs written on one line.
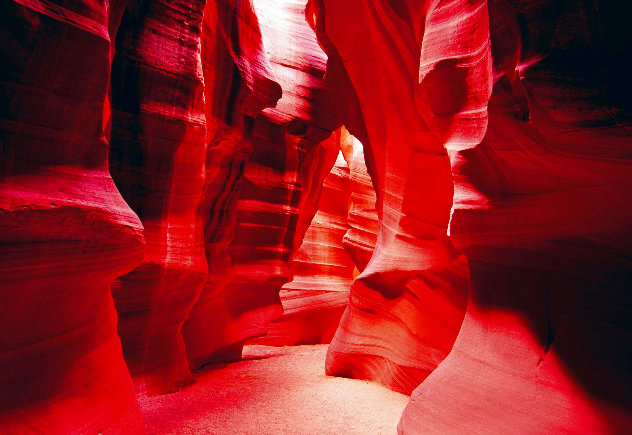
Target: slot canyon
[[315, 217]]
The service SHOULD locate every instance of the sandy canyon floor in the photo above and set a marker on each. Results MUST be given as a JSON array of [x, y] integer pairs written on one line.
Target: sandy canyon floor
[[274, 390]]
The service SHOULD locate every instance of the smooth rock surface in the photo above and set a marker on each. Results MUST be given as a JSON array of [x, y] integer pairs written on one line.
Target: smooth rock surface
[[322, 271], [157, 160], [250, 397], [407, 305], [232, 53], [543, 211], [65, 231]]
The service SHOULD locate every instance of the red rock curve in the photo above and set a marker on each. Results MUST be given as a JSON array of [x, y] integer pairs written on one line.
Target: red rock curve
[[66, 232]]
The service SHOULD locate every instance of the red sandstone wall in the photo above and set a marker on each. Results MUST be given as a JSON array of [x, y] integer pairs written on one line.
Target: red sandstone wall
[[407, 304], [239, 83], [488, 211], [65, 231], [157, 160], [278, 190], [322, 271], [542, 210]]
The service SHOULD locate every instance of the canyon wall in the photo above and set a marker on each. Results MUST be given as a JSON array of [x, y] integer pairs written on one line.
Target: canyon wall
[[157, 158], [407, 305], [321, 269], [66, 232], [290, 153], [542, 210], [239, 84], [168, 168]]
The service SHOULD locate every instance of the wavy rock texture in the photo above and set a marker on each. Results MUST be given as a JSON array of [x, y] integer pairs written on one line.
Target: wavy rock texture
[[322, 271], [157, 161], [291, 155], [496, 158], [65, 231], [360, 239], [407, 305], [233, 54], [543, 211]]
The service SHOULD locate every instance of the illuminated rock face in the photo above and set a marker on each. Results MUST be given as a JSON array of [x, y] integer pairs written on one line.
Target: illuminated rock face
[[278, 188], [542, 210], [157, 161], [360, 239], [407, 305], [483, 208], [322, 271], [66, 233], [239, 83]]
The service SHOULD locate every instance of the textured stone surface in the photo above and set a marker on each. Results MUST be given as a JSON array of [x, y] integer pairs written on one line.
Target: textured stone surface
[[542, 209], [157, 161], [322, 271], [282, 177], [496, 158], [65, 231], [232, 53], [360, 239], [407, 304]]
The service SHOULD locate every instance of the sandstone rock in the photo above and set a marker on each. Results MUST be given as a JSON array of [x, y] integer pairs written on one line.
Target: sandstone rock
[[290, 156], [542, 209], [157, 161], [66, 232], [360, 239], [393, 330], [322, 271], [232, 53]]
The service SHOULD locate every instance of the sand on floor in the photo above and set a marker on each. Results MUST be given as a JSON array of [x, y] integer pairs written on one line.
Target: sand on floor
[[274, 390]]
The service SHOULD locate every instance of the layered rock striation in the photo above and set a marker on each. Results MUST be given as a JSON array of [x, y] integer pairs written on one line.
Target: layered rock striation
[[65, 230], [322, 271], [157, 160], [287, 155], [239, 84], [407, 305], [542, 210], [473, 244]]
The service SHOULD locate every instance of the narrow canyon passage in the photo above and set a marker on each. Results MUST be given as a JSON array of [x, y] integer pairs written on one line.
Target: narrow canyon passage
[[274, 390], [315, 217]]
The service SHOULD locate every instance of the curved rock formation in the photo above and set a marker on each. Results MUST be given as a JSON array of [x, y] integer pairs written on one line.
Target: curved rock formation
[[290, 151], [407, 305], [157, 161], [496, 158], [322, 271], [360, 239], [66, 233], [543, 211], [232, 53]]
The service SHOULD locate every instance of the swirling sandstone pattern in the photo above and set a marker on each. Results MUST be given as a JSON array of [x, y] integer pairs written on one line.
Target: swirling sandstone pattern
[[407, 304], [543, 212], [360, 239], [232, 54], [282, 178], [479, 223], [65, 231], [322, 271], [157, 161]]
